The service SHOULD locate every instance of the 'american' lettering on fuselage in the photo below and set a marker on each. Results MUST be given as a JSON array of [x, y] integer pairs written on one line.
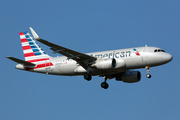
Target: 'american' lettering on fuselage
[[113, 54]]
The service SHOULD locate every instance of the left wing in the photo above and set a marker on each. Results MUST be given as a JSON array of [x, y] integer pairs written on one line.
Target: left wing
[[82, 59]]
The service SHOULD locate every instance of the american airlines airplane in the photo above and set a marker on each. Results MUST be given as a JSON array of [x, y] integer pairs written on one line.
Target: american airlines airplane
[[111, 64]]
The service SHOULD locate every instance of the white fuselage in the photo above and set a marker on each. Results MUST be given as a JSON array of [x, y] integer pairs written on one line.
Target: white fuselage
[[128, 59]]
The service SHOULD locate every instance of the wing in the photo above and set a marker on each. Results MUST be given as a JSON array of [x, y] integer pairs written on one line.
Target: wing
[[80, 58]]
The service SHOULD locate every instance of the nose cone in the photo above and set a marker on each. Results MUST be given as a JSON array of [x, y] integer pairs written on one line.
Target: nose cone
[[168, 57]]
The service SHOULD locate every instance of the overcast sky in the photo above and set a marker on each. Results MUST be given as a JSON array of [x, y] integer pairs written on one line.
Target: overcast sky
[[90, 26]]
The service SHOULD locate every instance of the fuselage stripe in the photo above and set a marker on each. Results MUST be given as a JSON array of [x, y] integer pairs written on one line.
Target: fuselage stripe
[[40, 66], [37, 60], [43, 65]]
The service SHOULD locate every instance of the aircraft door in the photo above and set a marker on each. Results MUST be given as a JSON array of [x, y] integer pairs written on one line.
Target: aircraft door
[[144, 59], [47, 66], [144, 55]]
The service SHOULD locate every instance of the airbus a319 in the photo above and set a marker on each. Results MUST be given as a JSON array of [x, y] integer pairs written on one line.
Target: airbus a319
[[118, 64]]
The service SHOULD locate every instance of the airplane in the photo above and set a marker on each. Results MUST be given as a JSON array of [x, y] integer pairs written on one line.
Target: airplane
[[118, 64]]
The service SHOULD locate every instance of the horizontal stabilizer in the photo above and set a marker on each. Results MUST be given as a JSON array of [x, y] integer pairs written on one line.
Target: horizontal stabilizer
[[22, 62]]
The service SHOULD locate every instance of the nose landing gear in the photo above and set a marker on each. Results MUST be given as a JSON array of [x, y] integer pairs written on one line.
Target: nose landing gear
[[147, 70], [148, 76]]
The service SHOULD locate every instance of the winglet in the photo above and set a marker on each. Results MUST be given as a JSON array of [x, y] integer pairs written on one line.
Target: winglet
[[34, 34]]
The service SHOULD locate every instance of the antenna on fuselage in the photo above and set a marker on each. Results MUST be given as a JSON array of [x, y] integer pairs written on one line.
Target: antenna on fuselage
[[146, 48]]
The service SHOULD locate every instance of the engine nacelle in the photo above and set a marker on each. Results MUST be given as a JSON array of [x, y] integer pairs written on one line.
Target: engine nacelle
[[105, 63], [120, 63], [130, 77]]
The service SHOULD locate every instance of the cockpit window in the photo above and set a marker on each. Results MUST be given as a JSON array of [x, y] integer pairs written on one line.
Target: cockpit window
[[163, 51], [159, 50]]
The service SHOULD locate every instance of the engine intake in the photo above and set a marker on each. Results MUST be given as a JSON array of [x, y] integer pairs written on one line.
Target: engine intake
[[130, 77]]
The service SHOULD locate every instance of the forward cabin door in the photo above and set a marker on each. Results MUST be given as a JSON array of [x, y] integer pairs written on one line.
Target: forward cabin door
[[145, 55]]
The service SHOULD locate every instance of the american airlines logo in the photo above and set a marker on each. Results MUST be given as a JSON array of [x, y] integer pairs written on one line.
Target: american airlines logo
[[136, 52]]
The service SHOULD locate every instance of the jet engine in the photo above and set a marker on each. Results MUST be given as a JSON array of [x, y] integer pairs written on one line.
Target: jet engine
[[105, 63], [130, 77], [120, 63]]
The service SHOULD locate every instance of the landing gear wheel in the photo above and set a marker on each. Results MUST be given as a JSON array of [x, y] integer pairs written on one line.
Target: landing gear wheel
[[147, 70], [104, 85], [87, 77], [148, 76]]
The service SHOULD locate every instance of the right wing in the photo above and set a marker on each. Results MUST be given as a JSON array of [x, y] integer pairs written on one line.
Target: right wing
[[82, 59]]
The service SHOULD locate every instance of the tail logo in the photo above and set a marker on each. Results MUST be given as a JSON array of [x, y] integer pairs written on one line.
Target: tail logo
[[33, 53]]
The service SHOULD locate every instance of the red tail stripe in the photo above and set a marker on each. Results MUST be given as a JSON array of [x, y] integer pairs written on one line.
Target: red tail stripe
[[37, 60], [24, 40], [29, 54], [21, 33], [26, 47]]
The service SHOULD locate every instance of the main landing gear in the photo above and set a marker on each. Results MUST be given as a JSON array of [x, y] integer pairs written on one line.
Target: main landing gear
[[87, 77], [104, 84], [147, 70]]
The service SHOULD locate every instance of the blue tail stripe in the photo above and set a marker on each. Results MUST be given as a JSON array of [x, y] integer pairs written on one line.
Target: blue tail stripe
[[29, 40], [38, 53], [31, 43], [35, 50], [33, 47]]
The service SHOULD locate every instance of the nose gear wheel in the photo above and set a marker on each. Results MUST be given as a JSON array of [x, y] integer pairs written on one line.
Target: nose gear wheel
[[147, 70], [148, 76]]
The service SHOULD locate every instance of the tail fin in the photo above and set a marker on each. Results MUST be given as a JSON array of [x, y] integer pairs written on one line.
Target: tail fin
[[33, 53]]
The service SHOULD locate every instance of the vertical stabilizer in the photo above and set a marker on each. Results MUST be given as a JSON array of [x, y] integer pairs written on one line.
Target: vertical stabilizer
[[33, 53]]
